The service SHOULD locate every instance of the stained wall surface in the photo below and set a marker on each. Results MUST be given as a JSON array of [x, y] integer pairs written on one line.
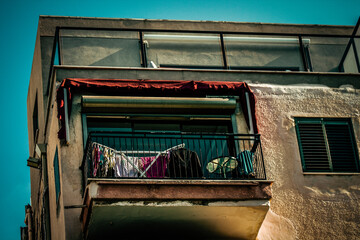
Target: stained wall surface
[[306, 206], [303, 206]]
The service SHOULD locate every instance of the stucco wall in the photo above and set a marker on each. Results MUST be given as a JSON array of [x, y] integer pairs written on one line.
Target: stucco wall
[[306, 206], [72, 156], [56, 212], [35, 92]]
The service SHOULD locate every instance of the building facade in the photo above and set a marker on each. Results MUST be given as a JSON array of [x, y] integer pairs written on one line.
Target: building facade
[[189, 129]]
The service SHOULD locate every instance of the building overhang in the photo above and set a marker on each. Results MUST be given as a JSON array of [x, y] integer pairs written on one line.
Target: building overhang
[[223, 209]]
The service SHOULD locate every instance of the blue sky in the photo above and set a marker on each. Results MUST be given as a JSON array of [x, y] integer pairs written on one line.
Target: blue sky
[[18, 26]]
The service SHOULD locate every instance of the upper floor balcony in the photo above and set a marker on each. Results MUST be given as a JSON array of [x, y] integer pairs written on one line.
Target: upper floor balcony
[[179, 49]]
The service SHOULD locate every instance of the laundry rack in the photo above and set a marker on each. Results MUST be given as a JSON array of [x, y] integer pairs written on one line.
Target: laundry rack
[[124, 154]]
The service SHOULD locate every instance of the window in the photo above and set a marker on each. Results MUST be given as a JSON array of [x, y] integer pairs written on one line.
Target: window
[[57, 176], [327, 145], [35, 118]]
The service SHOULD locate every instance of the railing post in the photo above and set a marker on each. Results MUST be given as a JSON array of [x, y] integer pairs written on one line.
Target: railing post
[[303, 56], [223, 51], [142, 50]]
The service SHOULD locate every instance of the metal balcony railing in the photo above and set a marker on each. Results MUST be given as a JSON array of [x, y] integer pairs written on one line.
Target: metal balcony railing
[[166, 155]]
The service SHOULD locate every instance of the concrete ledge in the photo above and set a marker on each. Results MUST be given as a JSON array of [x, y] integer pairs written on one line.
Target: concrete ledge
[[113, 190], [329, 79], [182, 190]]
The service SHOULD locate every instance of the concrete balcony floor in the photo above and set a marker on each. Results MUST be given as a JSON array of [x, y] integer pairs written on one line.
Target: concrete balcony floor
[[170, 209]]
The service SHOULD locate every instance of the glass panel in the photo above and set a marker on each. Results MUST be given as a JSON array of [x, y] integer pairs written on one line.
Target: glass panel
[[357, 46], [100, 48], [326, 53], [349, 64], [56, 56], [183, 50], [263, 53]]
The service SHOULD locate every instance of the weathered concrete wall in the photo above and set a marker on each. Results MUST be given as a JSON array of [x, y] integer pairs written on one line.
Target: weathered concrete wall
[[46, 53], [72, 156], [35, 92], [48, 24], [56, 209], [286, 78], [306, 206]]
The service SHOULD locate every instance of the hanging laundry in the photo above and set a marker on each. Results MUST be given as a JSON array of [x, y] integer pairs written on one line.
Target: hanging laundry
[[126, 166], [246, 162], [184, 163], [158, 168]]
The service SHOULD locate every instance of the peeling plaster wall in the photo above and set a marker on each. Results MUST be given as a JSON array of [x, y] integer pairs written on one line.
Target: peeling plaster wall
[[35, 91], [56, 212], [72, 156], [306, 206]]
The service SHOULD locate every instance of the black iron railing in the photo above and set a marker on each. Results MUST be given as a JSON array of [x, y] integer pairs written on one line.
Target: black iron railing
[[173, 156]]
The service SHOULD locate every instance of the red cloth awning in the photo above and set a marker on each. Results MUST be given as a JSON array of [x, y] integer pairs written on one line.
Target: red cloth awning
[[126, 87]]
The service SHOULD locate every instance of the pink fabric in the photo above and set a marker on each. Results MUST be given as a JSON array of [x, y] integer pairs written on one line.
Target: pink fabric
[[158, 169]]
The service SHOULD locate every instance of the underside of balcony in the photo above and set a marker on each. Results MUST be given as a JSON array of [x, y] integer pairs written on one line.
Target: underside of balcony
[[174, 209]]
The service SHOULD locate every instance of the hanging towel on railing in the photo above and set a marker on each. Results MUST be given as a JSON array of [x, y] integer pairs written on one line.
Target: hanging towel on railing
[[246, 160]]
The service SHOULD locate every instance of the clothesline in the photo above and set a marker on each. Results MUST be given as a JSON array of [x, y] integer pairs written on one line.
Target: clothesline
[[166, 151], [122, 153], [182, 145]]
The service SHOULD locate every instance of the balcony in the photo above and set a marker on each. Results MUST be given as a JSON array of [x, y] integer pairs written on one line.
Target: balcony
[[190, 185], [255, 51]]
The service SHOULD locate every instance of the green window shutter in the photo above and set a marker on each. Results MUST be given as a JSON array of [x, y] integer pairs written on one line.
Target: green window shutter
[[313, 147], [341, 147], [326, 145]]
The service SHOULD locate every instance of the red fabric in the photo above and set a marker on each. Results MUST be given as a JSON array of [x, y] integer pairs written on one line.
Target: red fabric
[[126, 87]]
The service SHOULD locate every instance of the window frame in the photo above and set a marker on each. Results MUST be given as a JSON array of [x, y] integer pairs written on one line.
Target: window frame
[[324, 122], [57, 181], [35, 118]]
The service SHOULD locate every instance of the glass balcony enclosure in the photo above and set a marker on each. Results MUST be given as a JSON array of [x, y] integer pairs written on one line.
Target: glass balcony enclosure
[[99, 48], [184, 50], [251, 52], [206, 50]]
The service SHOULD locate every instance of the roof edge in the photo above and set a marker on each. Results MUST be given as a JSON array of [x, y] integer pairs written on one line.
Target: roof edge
[[192, 21]]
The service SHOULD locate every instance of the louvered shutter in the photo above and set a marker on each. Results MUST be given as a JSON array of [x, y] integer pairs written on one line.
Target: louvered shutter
[[326, 145], [313, 147], [341, 147]]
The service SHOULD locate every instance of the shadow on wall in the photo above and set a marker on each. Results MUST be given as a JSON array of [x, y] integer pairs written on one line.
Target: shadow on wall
[[276, 227]]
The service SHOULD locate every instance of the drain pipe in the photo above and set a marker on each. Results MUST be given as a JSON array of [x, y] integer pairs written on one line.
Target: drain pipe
[[251, 126]]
